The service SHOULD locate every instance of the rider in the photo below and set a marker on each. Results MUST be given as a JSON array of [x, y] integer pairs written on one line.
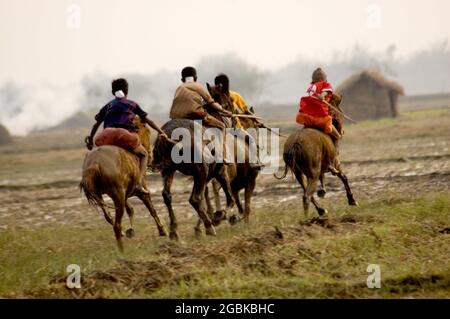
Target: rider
[[193, 101], [239, 106], [119, 129], [313, 111]]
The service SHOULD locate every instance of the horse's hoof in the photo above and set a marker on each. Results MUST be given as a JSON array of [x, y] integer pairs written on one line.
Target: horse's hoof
[[219, 215], [173, 236], [130, 233], [198, 233], [322, 211], [233, 220], [162, 232], [321, 193], [352, 202], [210, 231]]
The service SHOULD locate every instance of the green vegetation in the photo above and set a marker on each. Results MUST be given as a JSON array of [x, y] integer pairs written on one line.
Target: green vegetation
[[400, 234]]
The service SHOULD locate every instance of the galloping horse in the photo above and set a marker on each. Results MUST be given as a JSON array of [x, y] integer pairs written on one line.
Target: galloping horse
[[114, 171], [202, 173], [309, 154], [242, 175]]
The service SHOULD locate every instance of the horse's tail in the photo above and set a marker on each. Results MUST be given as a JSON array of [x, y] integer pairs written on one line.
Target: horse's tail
[[289, 157], [89, 184]]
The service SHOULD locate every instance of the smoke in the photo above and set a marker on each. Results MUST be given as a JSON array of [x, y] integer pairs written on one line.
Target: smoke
[[26, 108]]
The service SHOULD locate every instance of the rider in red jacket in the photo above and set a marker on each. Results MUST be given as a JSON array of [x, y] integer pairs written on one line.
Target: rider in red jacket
[[313, 111]]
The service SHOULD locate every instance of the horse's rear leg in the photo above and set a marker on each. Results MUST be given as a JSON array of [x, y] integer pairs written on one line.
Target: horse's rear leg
[[350, 198], [209, 207], [224, 181], [167, 196], [146, 199], [216, 189], [108, 217], [130, 212], [119, 204], [321, 211], [309, 192], [249, 189], [197, 201], [321, 192]]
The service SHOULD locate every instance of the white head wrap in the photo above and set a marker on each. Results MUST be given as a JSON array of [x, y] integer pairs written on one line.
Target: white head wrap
[[119, 94]]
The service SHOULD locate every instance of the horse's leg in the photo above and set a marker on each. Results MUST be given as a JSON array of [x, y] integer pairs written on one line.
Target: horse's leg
[[198, 229], [237, 200], [197, 200], [321, 211], [209, 207], [321, 191], [301, 180], [119, 203], [249, 189], [216, 189], [311, 185], [167, 196], [224, 181], [130, 211], [108, 217], [146, 199], [343, 178]]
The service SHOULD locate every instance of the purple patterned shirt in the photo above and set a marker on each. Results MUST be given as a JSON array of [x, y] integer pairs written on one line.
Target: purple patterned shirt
[[120, 112]]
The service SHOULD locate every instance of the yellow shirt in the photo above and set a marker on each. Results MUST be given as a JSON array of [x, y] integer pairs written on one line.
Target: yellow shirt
[[238, 105]]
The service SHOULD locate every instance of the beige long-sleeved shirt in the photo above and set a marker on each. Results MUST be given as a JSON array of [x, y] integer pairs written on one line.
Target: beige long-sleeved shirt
[[189, 101]]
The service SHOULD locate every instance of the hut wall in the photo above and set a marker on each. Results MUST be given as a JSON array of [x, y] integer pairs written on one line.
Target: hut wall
[[367, 100]]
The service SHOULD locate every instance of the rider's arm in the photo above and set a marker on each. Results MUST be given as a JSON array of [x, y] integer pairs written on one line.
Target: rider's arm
[[100, 117], [154, 126]]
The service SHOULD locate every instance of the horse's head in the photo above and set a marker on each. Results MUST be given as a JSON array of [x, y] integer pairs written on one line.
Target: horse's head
[[143, 132], [338, 119]]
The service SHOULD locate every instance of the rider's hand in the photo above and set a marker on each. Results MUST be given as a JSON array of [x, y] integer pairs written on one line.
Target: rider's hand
[[89, 142], [226, 113], [320, 97]]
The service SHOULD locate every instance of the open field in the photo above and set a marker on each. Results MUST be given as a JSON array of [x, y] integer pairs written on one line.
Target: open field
[[399, 170]]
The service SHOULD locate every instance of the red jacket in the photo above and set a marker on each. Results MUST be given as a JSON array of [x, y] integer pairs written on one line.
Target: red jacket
[[312, 106]]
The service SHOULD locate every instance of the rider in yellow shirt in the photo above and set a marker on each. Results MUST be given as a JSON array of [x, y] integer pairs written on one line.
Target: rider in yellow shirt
[[239, 106]]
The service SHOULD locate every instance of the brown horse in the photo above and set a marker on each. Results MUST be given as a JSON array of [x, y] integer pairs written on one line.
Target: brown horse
[[202, 173], [242, 175], [310, 154], [114, 171]]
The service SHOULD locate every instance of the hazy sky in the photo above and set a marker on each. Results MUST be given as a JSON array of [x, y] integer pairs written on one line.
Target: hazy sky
[[41, 41]]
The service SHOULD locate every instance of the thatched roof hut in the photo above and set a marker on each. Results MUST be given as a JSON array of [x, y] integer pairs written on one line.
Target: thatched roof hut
[[5, 137], [369, 95]]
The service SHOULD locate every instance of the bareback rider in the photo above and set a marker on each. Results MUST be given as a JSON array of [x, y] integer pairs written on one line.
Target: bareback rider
[[119, 130], [313, 111], [193, 101], [239, 107]]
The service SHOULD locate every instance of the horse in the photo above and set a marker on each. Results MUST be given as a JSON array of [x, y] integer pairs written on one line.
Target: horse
[[310, 154], [114, 171], [242, 175], [201, 172]]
